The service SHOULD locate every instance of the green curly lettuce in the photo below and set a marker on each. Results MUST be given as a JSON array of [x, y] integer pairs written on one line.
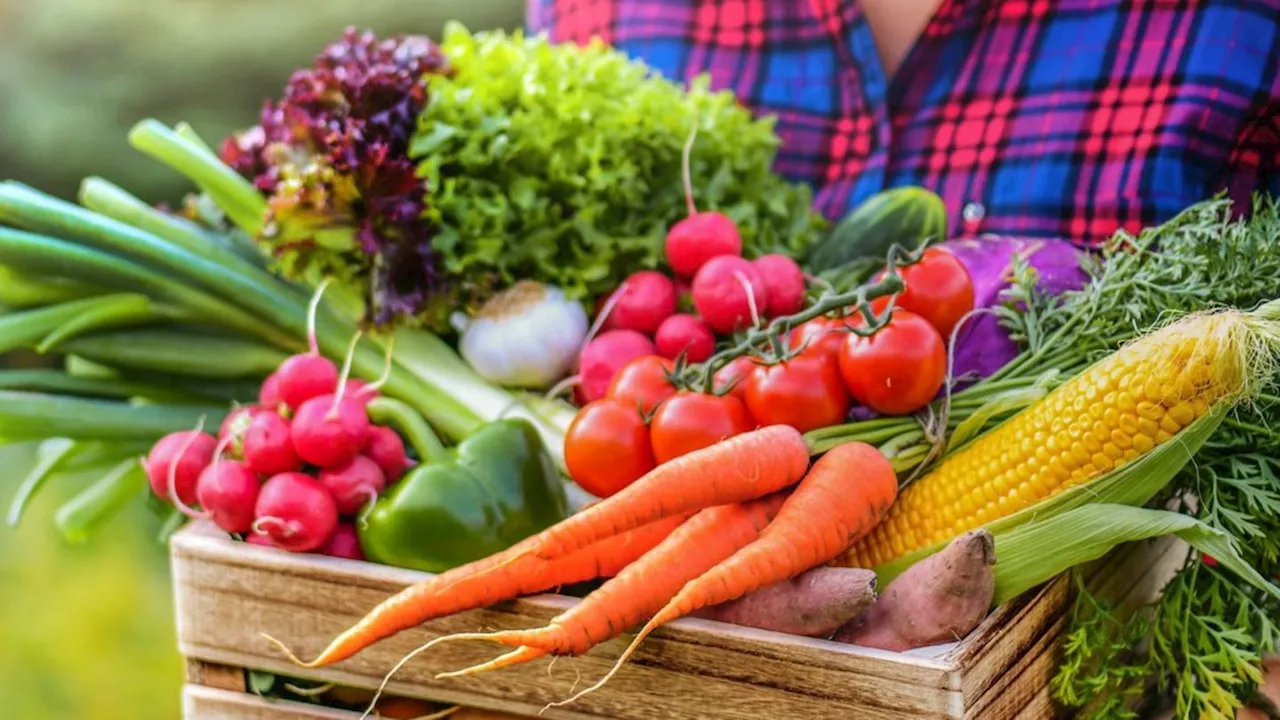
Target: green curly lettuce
[[562, 164]]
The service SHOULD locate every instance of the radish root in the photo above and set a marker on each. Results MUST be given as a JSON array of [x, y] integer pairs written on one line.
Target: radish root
[[312, 308], [346, 373]]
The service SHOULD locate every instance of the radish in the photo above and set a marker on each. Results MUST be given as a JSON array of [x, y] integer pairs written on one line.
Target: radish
[[721, 297], [643, 301], [295, 511], [784, 284], [361, 391], [686, 334], [302, 377], [385, 448], [237, 421], [184, 455], [698, 238], [269, 394], [256, 539], [604, 356], [353, 484], [344, 543], [329, 432], [268, 445], [227, 491]]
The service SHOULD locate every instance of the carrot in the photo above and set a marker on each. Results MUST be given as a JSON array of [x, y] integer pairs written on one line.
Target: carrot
[[488, 581], [740, 468], [845, 495], [640, 590]]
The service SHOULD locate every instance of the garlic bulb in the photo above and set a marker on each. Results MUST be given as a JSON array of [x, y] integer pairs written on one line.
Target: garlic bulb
[[527, 336]]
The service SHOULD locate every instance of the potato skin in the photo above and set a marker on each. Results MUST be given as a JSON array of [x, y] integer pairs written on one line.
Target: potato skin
[[815, 603], [941, 598]]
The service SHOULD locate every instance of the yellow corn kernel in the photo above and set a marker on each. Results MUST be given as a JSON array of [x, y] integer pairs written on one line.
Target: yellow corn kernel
[[1121, 439], [1182, 413], [1150, 410], [1169, 425], [1144, 443]]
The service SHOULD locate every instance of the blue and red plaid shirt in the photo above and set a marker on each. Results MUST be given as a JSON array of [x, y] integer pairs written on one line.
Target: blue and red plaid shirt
[[1043, 118]]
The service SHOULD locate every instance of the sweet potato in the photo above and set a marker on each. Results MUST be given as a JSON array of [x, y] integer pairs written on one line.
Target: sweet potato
[[939, 599], [815, 603]]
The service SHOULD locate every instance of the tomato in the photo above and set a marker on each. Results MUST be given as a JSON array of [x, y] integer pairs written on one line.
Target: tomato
[[607, 447], [897, 370], [805, 392], [734, 376], [642, 383], [690, 421], [822, 335], [939, 289]]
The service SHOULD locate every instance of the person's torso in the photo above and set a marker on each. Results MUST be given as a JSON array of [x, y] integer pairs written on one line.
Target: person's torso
[[1066, 118]]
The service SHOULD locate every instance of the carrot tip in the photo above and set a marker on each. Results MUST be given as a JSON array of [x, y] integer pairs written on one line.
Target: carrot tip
[[289, 653], [520, 655]]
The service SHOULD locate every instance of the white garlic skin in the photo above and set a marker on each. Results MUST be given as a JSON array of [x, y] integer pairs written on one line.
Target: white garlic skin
[[527, 336]]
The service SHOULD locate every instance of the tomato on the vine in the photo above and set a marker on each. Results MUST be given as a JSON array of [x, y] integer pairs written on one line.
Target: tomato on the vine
[[939, 289], [821, 335], [607, 447], [642, 383], [690, 421], [805, 392], [898, 369], [732, 378]]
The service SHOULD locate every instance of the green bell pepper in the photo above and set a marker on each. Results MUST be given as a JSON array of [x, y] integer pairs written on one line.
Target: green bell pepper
[[497, 487]]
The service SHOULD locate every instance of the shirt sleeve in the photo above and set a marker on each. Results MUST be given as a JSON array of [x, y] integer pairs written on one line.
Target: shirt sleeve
[[537, 15]]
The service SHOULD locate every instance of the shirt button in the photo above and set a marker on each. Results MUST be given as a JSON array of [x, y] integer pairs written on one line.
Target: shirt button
[[973, 213]]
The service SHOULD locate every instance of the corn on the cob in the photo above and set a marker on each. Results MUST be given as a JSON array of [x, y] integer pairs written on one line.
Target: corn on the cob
[[1112, 413]]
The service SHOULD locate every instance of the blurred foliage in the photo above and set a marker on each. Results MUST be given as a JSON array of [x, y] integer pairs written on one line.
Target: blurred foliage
[[75, 75], [87, 631]]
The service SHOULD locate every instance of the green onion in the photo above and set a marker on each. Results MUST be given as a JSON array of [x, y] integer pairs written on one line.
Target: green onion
[[179, 353], [113, 311], [49, 456], [29, 416], [80, 516]]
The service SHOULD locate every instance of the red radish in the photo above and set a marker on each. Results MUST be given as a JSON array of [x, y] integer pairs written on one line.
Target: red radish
[[685, 333], [256, 539], [302, 377], [269, 395], [385, 448], [228, 491], [604, 356], [237, 421], [643, 301], [353, 484], [360, 390], [344, 543], [328, 434], [784, 283], [699, 238], [268, 446], [720, 294], [184, 454], [295, 511]]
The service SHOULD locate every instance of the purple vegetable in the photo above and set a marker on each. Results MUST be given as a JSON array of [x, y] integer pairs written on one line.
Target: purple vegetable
[[332, 155], [983, 346]]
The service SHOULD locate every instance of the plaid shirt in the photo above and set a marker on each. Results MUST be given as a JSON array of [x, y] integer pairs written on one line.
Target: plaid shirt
[[1043, 118]]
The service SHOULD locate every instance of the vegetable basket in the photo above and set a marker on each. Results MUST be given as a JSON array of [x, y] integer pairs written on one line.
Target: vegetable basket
[[227, 593]]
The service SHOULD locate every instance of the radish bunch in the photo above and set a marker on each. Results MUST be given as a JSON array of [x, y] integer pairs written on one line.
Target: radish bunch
[[289, 471], [727, 292]]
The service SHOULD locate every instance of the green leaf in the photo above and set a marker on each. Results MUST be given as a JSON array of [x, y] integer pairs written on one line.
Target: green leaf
[[1132, 484], [49, 456], [36, 416], [1037, 551], [261, 682], [88, 510]]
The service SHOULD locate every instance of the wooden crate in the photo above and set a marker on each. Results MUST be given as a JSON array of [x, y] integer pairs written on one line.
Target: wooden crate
[[228, 592]]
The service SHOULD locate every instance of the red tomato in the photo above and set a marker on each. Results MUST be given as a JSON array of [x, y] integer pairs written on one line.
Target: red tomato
[[822, 335], [805, 392], [734, 376], [690, 421], [642, 383], [897, 370], [939, 288], [607, 448]]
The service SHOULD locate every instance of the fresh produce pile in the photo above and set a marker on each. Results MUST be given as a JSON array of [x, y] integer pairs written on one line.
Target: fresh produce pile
[[870, 435]]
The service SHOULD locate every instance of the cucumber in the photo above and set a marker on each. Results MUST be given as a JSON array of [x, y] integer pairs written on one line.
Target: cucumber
[[905, 215]]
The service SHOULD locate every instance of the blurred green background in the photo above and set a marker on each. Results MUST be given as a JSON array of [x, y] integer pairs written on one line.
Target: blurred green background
[[87, 631]]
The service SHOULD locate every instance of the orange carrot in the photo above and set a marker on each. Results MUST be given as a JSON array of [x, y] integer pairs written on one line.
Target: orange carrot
[[741, 468], [483, 583], [843, 497], [641, 589]]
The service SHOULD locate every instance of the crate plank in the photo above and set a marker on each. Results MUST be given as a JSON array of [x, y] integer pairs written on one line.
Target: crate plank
[[228, 593]]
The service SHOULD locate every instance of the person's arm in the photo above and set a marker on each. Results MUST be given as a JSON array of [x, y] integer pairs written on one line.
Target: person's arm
[[537, 15]]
